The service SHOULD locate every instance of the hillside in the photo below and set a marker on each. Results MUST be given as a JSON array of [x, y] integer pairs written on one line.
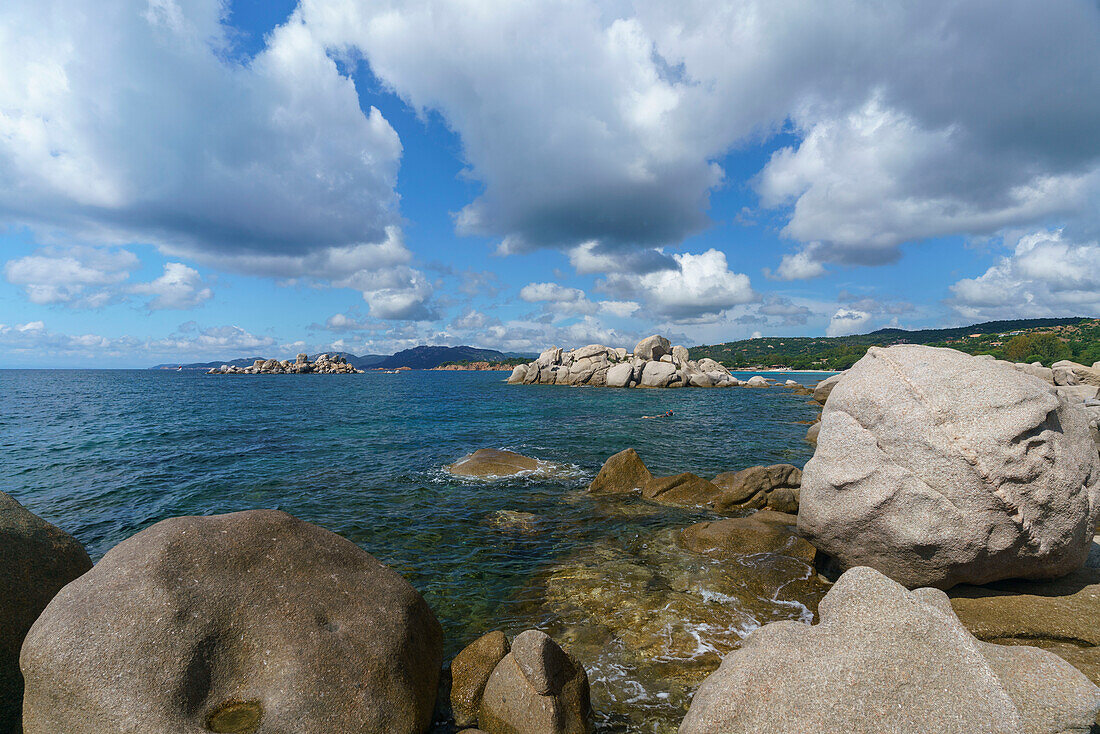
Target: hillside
[[1023, 340], [418, 358]]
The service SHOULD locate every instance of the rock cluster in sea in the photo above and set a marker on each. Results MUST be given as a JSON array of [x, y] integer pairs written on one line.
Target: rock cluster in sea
[[933, 468], [653, 363], [323, 365]]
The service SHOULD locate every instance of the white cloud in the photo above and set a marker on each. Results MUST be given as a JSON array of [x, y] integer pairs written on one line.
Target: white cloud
[[77, 276], [573, 301], [400, 293], [134, 121], [702, 287], [848, 321], [180, 287], [622, 309], [1046, 275], [799, 265]]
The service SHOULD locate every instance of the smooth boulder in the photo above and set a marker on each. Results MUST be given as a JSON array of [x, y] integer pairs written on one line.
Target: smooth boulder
[[36, 560], [252, 622], [493, 463], [470, 671], [657, 374], [652, 348], [621, 473], [681, 490], [619, 375], [884, 659], [825, 388], [937, 468], [537, 688]]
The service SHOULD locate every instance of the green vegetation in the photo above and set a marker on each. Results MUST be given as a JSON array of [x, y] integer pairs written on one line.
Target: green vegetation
[[1026, 340]]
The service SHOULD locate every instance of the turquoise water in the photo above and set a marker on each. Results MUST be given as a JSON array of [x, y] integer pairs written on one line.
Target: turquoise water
[[104, 454]]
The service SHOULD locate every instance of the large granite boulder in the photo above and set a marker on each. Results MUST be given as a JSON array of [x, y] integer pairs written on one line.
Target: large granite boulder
[[1082, 375], [758, 486], [883, 659], [537, 688], [680, 355], [1046, 374], [36, 560], [252, 622], [657, 374], [519, 372], [765, 531], [493, 463], [938, 468], [470, 671], [623, 472], [652, 348], [619, 375]]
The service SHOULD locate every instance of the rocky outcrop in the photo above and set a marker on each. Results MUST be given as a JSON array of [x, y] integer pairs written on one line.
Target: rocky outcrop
[[653, 363], [1059, 616], [323, 365], [765, 531], [825, 388], [938, 468], [36, 561], [493, 463], [681, 490], [470, 671], [537, 688], [1071, 373], [622, 473], [248, 622], [775, 487], [876, 662]]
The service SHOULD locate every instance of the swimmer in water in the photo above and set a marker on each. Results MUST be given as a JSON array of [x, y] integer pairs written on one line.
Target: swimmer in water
[[666, 414]]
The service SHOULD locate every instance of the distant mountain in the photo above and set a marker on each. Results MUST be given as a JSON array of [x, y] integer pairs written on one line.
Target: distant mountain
[[418, 358], [424, 358]]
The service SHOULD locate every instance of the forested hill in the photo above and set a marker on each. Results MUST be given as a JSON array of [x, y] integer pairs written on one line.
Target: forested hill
[[1022, 340]]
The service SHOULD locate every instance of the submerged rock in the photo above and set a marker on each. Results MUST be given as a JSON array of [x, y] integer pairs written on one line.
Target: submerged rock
[[470, 671], [623, 472], [513, 521], [938, 468], [493, 463], [761, 532], [537, 688], [248, 622], [38, 559], [651, 619], [884, 659]]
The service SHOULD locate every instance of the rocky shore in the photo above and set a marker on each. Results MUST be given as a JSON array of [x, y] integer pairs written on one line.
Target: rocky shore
[[323, 365], [653, 363], [933, 568], [474, 367]]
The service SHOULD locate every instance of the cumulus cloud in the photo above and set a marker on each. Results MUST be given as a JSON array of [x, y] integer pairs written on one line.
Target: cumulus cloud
[[196, 150], [848, 321], [589, 122], [77, 276], [789, 312], [1045, 275], [701, 287], [400, 292], [573, 301], [180, 287]]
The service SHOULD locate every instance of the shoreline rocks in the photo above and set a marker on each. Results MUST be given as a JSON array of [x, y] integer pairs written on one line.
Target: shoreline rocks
[[939, 468], [877, 662], [37, 560], [248, 622], [323, 365], [654, 363]]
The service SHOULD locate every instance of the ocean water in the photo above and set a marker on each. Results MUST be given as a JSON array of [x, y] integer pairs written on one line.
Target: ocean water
[[104, 454]]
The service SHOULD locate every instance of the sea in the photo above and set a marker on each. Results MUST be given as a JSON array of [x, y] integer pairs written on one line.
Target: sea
[[105, 454]]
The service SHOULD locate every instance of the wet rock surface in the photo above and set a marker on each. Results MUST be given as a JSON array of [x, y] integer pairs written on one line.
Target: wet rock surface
[[757, 487], [248, 622], [622, 473], [493, 463], [470, 671], [765, 531], [36, 561]]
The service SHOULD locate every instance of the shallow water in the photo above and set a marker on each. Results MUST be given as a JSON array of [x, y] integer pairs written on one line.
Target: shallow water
[[104, 454]]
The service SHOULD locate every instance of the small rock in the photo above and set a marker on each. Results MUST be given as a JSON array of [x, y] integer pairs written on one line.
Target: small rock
[[623, 472], [513, 521], [682, 490], [762, 532], [825, 388], [752, 488]]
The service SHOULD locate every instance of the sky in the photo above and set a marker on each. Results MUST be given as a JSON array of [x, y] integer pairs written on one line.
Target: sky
[[193, 180]]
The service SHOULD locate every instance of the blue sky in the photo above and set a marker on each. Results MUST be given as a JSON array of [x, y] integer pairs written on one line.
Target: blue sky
[[185, 180]]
